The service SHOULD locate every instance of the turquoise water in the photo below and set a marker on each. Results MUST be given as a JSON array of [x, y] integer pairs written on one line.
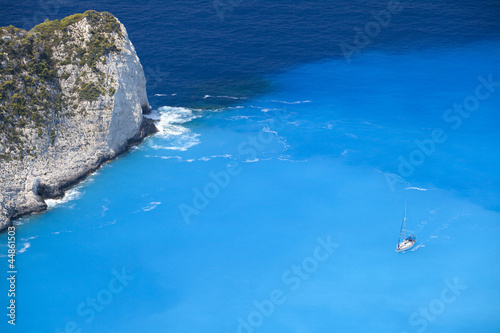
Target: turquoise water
[[282, 212]]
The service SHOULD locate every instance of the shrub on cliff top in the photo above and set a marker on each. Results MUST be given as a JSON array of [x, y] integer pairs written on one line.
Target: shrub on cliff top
[[90, 92], [104, 20]]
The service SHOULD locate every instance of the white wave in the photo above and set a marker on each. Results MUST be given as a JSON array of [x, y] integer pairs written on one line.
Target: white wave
[[105, 208], [347, 151], [59, 232], [169, 157], [205, 158], [284, 121], [22, 220], [163, 95], [294, 123], [267, 129], [152, 205], [170, 120], [105, 224], [75, 192], [416, 188], [296, 102], [26, 245], [163, 157], [240, 117], [70, 195], [271, 109], [280, 139], [171, 115], [289, 159], [190, 160], [230, 97], [283, 141], [223, 96]]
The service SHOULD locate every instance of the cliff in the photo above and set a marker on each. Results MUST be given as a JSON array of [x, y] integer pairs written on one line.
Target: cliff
[[72, 96]]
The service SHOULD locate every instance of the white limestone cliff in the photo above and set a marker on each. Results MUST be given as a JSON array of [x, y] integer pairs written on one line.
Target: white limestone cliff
[[86, 133]]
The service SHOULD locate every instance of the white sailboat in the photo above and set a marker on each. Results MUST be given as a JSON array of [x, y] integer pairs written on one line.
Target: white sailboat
[[409, 241]]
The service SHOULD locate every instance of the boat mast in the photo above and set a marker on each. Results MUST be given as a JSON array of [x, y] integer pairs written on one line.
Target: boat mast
[[402, 226], [404, 222]]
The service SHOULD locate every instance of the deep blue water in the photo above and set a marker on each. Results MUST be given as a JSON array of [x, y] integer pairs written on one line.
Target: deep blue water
[[277, 207], [224, 47]]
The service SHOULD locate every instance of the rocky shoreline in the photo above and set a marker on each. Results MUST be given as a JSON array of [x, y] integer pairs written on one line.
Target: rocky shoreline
[[58, 192]]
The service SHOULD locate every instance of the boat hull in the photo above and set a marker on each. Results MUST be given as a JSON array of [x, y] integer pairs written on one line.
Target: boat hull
[[406, 245]]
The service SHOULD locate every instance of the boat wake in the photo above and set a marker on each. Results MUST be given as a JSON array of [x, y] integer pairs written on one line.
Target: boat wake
[[415, 248], [415, 188]]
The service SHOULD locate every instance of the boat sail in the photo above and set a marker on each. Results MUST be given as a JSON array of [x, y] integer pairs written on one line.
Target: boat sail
[[409, 241]]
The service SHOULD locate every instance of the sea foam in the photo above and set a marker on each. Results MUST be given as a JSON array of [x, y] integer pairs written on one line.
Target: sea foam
[[170, 120]]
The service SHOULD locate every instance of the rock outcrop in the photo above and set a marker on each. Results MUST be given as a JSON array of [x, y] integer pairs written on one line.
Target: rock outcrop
[[72, 96]]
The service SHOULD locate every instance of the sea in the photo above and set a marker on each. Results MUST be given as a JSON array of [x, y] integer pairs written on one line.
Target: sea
[[292, 135]]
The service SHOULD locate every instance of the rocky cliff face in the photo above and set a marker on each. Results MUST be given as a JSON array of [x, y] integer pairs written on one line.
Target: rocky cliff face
[[73, 95]]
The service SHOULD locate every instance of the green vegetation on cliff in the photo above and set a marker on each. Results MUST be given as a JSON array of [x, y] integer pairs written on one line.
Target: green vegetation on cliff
[[31, 100], [55, 32], [90, 92]]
